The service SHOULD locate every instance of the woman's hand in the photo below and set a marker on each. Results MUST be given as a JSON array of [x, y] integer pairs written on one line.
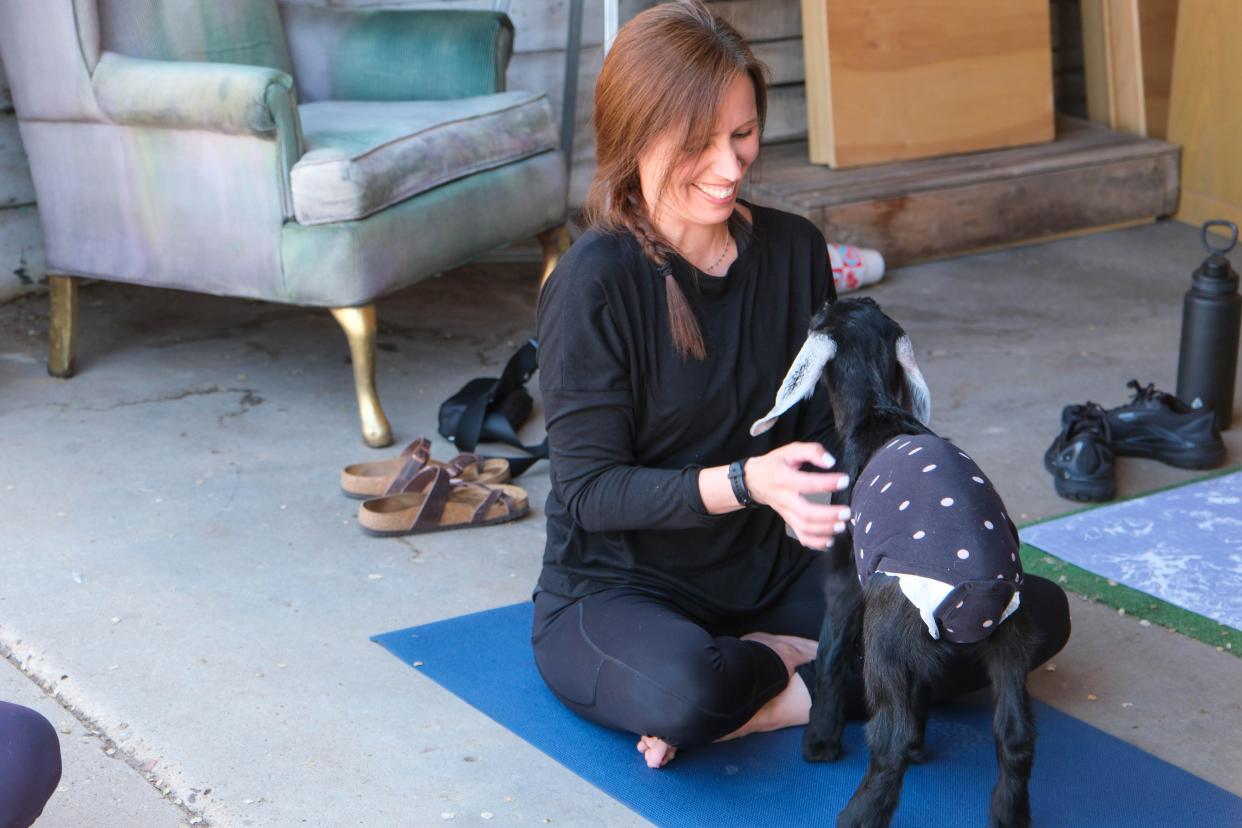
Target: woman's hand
[[774, 479]]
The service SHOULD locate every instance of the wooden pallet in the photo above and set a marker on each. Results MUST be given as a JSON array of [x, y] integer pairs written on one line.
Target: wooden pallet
[[1089, 177]]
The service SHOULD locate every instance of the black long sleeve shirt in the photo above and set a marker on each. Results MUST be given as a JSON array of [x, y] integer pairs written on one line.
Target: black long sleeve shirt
[[631, 423]]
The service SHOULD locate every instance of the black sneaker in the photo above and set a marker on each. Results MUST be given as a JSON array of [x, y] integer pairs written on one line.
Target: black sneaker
[[1081, 457], [1159, 425]]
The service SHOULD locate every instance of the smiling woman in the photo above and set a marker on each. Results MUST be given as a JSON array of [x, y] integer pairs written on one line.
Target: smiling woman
[[666, 607]]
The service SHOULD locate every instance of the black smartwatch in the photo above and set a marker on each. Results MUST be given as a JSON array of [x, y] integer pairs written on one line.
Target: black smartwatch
[[737, 480]]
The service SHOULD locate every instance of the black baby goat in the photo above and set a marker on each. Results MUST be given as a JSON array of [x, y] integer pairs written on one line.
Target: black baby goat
[[928, 574]]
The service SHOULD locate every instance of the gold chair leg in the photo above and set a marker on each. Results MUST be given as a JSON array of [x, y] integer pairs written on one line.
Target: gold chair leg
[[360, 328], [555, 242], [62, 324]]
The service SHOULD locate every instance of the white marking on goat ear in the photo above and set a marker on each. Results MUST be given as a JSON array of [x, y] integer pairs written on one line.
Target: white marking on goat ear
[[916, 386], [799, 383]]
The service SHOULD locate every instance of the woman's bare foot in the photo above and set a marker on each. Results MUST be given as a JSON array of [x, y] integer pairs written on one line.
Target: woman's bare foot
[[657, 751], [792, 706], [789, 708], [794, 651]]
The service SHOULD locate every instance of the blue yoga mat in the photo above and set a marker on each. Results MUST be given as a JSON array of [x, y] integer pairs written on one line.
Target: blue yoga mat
[[1083, 777], [1183, 545]]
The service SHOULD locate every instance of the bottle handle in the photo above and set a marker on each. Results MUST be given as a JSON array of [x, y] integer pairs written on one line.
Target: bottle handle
[[1233, 239]]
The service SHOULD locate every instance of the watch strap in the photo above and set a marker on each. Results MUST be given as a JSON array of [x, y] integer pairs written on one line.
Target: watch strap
[[737, 479]]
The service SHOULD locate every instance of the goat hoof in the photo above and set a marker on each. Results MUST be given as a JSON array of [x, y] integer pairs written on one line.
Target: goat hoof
[[821, 750], [1016, 818], [850, 818]]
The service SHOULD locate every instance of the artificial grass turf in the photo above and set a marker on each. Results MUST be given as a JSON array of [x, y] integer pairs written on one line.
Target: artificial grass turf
[[1126, 599]]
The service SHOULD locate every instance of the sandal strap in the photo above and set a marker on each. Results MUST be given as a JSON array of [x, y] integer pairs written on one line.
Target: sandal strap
[[493, 496], [421, 446], [464, 461], [435, 482], [416, 455]]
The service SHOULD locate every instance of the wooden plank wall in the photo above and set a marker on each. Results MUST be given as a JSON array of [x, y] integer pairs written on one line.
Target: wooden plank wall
[[21, 241], [1069, 84]]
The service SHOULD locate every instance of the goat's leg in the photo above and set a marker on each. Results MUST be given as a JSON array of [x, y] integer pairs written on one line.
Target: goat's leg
[[838, 650], [892, 666], [1013, 722], [922, 703]]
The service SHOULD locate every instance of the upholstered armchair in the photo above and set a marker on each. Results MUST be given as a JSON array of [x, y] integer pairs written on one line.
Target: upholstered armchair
[[290, 153]]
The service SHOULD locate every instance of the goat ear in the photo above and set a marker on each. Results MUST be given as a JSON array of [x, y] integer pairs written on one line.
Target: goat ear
[[800, 382], [916, 387]]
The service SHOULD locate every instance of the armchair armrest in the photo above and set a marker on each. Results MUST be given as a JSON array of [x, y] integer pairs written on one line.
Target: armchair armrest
[[397, 54], [218, 97], [224, 98]]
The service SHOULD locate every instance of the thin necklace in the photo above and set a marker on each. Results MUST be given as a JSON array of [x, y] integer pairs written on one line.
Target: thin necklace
[[725, 252]]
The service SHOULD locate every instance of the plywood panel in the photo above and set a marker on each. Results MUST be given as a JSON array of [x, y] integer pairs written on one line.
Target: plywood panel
[[1157, 34], [1129, 59], [1205, 109], [899, 79]]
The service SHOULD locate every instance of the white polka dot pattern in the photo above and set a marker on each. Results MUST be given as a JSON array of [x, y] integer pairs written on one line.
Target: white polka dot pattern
[[942, 527]]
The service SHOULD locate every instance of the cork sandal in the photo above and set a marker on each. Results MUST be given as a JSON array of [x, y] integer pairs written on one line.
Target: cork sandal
[[383, 477], [432, 501]]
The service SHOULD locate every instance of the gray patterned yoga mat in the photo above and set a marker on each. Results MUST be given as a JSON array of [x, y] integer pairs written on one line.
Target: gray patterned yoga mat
[[1183, 545]]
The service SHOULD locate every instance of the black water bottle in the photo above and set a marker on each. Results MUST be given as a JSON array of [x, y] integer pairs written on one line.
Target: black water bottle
[[1211, 316]]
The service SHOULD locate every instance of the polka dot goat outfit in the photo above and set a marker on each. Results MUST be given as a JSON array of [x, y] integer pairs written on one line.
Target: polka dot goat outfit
[[924, 513]]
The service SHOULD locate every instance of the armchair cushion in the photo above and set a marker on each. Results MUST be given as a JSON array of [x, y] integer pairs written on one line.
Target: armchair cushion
[[397, 54], [364, 156]]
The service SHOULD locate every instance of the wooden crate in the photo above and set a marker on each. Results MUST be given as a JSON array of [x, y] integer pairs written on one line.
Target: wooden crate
[[890, 80], [1090, 177]]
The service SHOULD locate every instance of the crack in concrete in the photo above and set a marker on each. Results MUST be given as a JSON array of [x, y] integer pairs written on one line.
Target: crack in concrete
[[416, 552], [8, 651], [249, 400]]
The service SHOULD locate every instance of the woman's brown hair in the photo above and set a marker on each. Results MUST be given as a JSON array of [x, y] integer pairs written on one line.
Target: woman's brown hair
[[666, 73]]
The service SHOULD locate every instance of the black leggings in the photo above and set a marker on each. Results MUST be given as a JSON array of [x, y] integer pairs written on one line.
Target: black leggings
[[628, 660], [29, 764]]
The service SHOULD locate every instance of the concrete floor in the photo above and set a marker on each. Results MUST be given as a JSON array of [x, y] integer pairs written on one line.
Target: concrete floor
[[183, 575]]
